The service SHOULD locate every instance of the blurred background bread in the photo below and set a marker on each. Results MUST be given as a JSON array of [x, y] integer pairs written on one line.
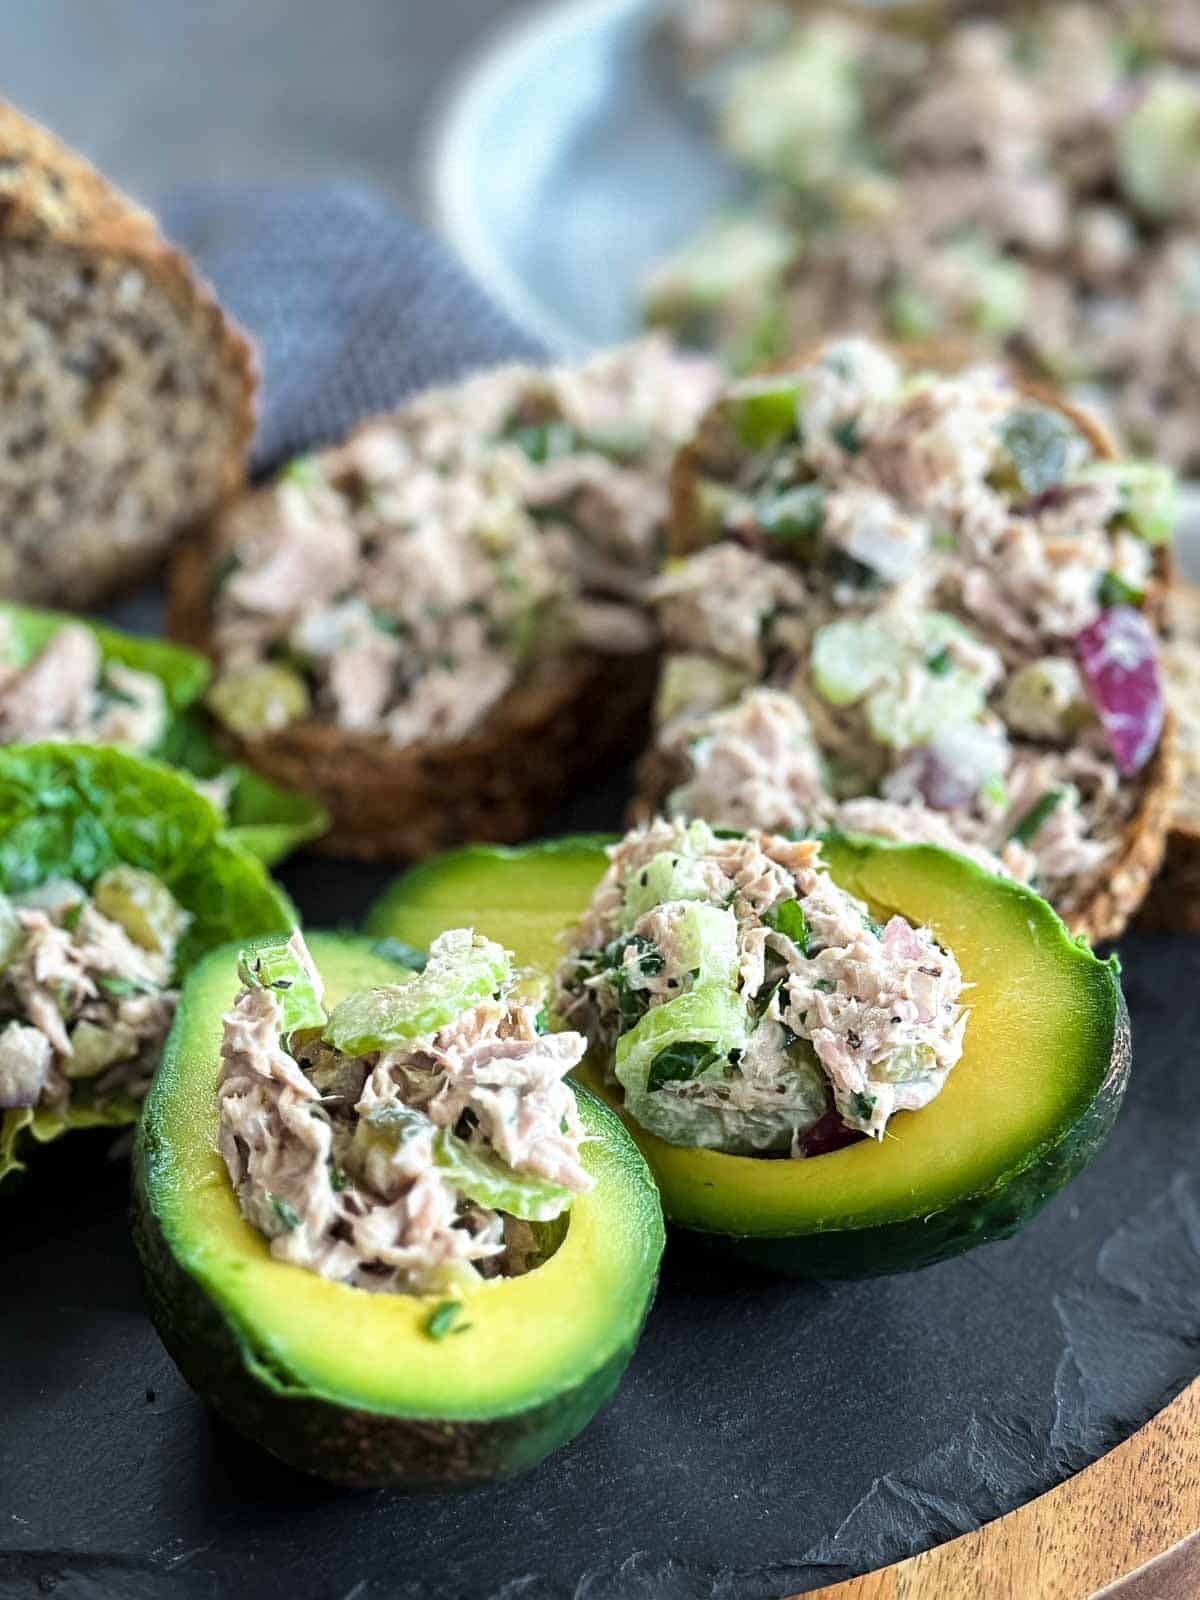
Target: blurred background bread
[[128, 397]]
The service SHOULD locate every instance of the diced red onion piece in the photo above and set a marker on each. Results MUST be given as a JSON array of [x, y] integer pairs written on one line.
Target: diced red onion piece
[[1118, 656], [827, 1134]]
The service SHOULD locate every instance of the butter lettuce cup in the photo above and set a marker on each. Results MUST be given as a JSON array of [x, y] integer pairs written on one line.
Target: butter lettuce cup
[[382, 1234], [840, 1057], [72, 678], [926, 605], [116, 877], [437, 623]]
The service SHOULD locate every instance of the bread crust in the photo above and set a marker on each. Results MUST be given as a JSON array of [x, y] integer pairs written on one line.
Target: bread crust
[[1140, 854], [51, 197], [389, 802], [1173, 904]]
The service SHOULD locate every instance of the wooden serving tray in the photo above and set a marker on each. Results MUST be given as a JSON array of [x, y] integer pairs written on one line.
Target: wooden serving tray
[[1125, 1527]]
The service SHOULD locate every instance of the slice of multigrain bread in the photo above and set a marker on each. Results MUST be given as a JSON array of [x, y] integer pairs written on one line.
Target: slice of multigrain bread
[[128, 396]]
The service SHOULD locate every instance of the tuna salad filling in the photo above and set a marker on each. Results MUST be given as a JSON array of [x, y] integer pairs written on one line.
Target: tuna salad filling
[[914, 606], [405, 582], [742, 1001], [68, 691], [416, 1138], [1026, 184], [85, 989]]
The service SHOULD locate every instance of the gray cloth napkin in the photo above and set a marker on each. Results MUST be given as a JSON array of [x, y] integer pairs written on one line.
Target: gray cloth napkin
[[353, 306]]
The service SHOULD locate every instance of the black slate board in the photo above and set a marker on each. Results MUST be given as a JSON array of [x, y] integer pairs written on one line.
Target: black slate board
[[769, 1437]]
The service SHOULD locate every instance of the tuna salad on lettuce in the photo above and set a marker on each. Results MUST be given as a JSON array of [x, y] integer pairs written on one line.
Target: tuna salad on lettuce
[[65, 678], [1028, 184], [417, 1137], [916, 607], [742, 1001], [115, 877], [404, 582]]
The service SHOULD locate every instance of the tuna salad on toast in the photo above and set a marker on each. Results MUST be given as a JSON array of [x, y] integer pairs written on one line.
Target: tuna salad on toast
[[922, 607], [438, 621], [1024, 184]]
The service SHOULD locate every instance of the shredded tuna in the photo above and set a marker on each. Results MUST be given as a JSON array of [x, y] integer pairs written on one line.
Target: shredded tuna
[[838, 1015], [86, 1007], [353, 1167], [1023, 185], [889, 613], [68, 691], [405, 582]]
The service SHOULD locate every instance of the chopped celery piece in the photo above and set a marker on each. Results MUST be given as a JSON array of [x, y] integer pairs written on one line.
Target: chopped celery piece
[[908, 1065], [1042, 445], [763, 411], [1149, 495], [1158, 148], [484, 1177], [712, 1015], [284, 967], [463, 969], [144, 907], [851, 656], [695, 684], [706, 943], [911, 314], [93, 1048], [666, 876], [902, 721], [259, 700]]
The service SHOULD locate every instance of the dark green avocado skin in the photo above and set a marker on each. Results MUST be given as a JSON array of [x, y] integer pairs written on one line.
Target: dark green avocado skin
[[360, 1449], [976, 1219]]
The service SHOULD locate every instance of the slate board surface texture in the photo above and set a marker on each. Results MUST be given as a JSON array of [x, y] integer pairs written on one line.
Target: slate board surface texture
[[769, 1437]]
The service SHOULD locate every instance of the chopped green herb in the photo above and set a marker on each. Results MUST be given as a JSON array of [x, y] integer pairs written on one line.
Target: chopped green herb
[[680, 1063], [545, 441], [824, 986], [847, 435], [542, 1021], [789, 920], [1028, 826], [1114, 591], [443, 1319], [337, 1178], [864, 1106], [404, 955], [941, 663], [794, 514], [286, 1212]]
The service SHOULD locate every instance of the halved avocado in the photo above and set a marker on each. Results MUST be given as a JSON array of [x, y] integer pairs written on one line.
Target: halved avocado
[[1039, 1085], [354, 1386]]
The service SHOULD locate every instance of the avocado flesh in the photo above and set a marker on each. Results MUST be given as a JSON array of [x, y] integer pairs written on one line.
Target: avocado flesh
[[347, 1384], [1044, 1068]]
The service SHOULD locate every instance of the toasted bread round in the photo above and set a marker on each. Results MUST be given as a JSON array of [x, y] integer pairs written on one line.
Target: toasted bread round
[[1173, 903], [1106, 912], [129, 402], [392, 802]]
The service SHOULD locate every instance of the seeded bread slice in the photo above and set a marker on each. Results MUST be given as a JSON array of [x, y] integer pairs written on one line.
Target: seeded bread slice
[[1139, 853], [128, 396]]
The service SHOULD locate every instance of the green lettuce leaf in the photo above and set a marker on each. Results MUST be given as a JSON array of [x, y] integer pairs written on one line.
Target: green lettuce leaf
[[265, 819], [268, 821], [183, 673], [75, 811]]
